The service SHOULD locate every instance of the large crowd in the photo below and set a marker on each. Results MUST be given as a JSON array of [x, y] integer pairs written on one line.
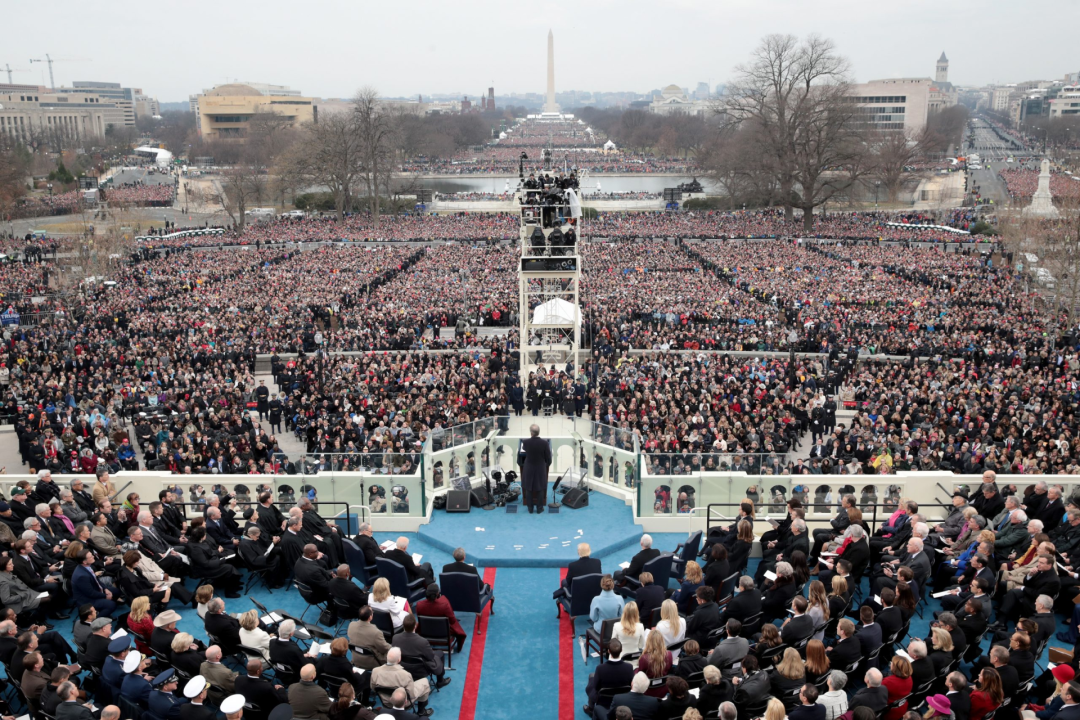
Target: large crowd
[[1022, 183]]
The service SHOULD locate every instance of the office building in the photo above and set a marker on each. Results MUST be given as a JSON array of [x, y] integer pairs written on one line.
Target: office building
[[122, 111], [1066, 103], [894, 104], [225, 112], [29, 113]]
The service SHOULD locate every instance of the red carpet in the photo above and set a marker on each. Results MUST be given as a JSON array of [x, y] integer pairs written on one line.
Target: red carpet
[[566, 663], [476, 657]]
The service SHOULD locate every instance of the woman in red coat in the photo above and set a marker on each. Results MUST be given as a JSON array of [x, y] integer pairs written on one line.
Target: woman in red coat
[[435, 605], [899, 685], [989, 696]]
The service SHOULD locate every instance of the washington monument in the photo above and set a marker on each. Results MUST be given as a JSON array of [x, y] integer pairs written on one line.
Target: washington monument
[[550, 106]]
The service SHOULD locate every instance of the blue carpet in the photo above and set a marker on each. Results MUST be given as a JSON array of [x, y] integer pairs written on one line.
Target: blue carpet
[[547, 540]]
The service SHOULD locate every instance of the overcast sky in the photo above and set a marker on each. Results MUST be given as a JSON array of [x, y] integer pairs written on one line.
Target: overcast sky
[[329, 48]]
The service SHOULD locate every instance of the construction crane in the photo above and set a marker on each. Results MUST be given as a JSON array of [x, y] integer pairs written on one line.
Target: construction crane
[[50, 60], [10, 70]]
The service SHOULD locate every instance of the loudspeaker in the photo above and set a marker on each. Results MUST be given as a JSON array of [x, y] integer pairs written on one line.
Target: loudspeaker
[[481, 497], [575, 498], [457, 501]]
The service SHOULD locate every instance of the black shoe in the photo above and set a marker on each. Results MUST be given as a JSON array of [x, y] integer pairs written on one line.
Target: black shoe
[[426, 712], [588, 710], [530, 509], [233, 595], [63, 616], [442, 683]]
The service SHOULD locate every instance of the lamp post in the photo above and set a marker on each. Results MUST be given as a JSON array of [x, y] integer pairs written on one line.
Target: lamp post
[[877, 186], [49, 185]]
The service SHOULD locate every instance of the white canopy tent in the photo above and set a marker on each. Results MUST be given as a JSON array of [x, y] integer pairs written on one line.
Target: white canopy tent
[[555, 312]]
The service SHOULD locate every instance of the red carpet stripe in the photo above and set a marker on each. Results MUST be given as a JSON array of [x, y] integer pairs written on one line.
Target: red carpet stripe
[[476, 658], [566, 663]]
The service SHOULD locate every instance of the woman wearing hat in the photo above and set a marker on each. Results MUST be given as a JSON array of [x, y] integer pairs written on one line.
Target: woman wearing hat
[[1063, 675], [940, 707]]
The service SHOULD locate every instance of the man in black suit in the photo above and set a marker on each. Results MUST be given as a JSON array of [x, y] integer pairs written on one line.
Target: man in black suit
[[366, 542], [649, 596], [416, 649], [922, 669], [847, 649], [890, 617], [956, 689], [163, 524], [460, 566], [218, 530], [157, 548], [259, 691], [611, 674], [400, 554], [800, 625], [224, 629], [1043, 581], [977, 569], [1010, 680], [1053, 510], [400, 707], [989, 502], [1070, 710], [807, 709], [869, 633], [1044, 618], [284, 651], [196, 691], [641, 706], [873, 696], [270, 518], [837, 526], [534, 457], [744, 604], [292, 542], [70, 708], [584, 565], [342, 586], [705, 619], [637, 563]]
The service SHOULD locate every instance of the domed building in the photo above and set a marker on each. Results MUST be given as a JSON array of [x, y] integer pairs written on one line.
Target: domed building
[[672, 99], [224, 112]]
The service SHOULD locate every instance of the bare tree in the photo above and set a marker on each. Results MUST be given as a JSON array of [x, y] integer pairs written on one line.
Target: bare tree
[[377, 142], [894, 153], [328, 154], [795, 96], [239, 188]]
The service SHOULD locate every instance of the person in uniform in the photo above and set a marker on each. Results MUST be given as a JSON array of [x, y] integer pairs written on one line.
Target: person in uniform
[[163, 702]]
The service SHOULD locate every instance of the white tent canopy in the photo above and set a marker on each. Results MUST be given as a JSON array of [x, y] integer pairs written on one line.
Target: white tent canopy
[[555, 312]]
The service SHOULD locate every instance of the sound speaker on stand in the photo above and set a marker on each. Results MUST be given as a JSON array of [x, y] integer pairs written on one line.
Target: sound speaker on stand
[[575, 498]]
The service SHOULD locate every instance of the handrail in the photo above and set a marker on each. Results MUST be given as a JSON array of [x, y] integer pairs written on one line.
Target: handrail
[[871, 523], [112, 498], [285, 506]]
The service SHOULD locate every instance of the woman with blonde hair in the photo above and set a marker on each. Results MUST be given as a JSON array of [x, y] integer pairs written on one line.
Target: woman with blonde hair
[[629, 630], [942, 652], [818, 607], [252, 636], [140, 623], [685, 596], [817, 661], [788, 674], [775, 710], [655, 662], [672, 626], [382, 599], [186, 655], [838, 598]]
